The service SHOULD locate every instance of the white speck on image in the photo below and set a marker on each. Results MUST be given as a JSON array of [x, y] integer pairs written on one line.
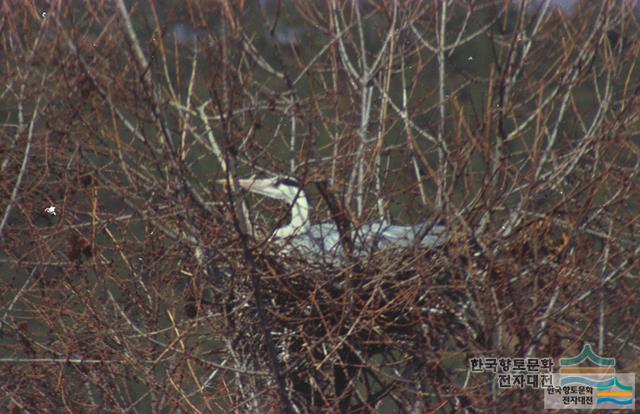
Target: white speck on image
[[51, 210]]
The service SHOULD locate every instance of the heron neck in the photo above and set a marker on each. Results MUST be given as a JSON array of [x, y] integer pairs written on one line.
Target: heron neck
[[299, 218]]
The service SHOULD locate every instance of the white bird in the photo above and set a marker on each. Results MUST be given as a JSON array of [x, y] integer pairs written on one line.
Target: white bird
[[322, 241], [51, 210]]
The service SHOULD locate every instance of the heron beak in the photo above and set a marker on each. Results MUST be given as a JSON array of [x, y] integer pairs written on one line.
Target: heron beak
[[249, 184], [244, 183], [254, 185]]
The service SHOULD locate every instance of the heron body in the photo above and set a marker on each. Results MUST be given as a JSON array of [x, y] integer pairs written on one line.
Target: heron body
[[321, 242]]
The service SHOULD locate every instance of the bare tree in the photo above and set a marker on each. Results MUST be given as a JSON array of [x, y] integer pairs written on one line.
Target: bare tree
[[131, 281]]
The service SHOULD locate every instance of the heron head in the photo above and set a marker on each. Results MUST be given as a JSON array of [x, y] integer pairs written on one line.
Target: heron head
[[281, 188]]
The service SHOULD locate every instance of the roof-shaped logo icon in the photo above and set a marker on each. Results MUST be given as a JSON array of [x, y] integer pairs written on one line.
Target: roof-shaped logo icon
[[603, 365]]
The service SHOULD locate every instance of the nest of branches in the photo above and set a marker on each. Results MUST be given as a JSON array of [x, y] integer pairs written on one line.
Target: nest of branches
[[394, 327]]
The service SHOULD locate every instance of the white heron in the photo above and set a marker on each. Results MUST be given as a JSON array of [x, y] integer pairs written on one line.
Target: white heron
[[322, 241]]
